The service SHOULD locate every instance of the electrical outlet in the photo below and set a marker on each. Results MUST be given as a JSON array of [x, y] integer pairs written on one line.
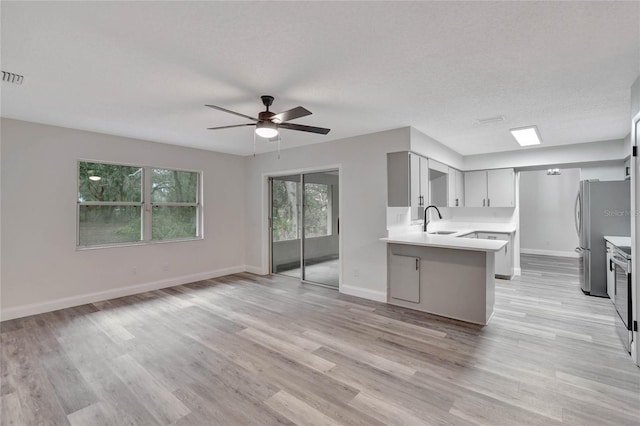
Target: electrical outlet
[[165, 268], [134, 271]]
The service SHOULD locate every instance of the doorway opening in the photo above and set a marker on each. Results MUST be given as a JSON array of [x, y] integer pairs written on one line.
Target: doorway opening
[[305, 225]]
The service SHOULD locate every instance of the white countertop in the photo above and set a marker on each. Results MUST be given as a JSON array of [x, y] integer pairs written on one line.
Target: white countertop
[[619, 241], [447, 241], [462, 228]]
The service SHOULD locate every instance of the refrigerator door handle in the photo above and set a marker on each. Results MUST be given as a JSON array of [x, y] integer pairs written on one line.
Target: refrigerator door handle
[[577, 215]]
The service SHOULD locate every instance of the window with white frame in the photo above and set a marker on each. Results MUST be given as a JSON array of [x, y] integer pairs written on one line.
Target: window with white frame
[[120, 204]]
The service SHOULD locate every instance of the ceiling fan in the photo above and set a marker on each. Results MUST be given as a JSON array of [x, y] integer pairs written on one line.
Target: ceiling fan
[[268, 123]]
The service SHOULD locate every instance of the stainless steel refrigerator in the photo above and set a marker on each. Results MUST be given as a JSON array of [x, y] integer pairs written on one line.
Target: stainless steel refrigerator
[[602, 208]]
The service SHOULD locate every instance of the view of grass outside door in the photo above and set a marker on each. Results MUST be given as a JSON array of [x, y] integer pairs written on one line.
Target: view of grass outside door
[[304, 226]]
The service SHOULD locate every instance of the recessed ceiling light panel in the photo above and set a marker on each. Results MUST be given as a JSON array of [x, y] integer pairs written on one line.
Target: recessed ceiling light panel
[[527, 136]]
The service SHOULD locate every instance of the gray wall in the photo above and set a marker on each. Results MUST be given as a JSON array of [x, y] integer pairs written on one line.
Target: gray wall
[[363, 183], [41, 268], [547, 223], [567, 156], [635, 97], [615, 172]]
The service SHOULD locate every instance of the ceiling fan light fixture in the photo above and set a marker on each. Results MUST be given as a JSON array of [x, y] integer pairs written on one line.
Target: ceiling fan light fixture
[[268, 124], [266, 130]]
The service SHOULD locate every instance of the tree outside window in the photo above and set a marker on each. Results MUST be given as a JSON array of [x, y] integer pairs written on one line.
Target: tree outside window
[[114, 204], [286, 213]]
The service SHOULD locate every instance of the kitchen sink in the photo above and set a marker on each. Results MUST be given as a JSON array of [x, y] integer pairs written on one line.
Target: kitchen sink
[[442, 232]]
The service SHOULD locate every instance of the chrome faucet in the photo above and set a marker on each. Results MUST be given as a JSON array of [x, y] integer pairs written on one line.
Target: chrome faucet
[[426, 222]]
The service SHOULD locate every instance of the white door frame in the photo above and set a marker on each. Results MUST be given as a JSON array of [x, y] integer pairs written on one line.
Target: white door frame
[[635, 236], [266, 237]]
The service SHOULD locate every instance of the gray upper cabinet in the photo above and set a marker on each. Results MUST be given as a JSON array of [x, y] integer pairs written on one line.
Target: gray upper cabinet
[[490, 188], [407, 182], [425, 190], [438, 183], [501, 189], [456, 188], [398, 179], [475, 189]]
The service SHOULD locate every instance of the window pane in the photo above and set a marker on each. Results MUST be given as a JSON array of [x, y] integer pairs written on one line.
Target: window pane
[[173, 186], [317, 210], [108, 182], [170, 222], [109, 224], [285, 210]]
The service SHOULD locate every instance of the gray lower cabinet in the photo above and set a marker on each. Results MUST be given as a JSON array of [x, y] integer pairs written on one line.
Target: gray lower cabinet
[[404, 272], [448, 282], [504, 257], [611, 274]]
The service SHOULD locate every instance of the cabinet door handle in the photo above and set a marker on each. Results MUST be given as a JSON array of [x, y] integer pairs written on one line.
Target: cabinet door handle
[[610, 265], [483, 202], [417, 263], [456, 202], [491, 237], [488, 202]]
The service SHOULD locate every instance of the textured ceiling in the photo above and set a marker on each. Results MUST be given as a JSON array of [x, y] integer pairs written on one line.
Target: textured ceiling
[[146, 69]]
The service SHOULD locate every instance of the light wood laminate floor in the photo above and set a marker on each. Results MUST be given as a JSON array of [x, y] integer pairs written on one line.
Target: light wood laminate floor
[[256, 350]]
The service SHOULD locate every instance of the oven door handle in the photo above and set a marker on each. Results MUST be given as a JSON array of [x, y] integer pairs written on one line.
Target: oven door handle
[[621, 263]]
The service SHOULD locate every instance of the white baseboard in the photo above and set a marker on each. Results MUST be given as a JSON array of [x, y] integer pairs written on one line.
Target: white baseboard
[[549, 252], [258, 270], [68, 302], [517, 272], [378, 296]]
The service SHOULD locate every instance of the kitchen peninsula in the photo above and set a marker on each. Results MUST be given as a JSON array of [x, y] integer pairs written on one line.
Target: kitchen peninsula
[[447, 275]]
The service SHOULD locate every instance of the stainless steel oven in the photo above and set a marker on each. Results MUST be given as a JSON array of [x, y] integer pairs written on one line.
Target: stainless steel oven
[[621, 262]]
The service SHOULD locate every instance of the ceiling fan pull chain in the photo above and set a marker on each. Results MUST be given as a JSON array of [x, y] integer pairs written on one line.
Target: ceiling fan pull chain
[[279, 139], [254, 144]]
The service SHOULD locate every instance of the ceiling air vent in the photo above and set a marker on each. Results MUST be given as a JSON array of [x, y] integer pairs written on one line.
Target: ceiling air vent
[[490, 120], [10, 77]]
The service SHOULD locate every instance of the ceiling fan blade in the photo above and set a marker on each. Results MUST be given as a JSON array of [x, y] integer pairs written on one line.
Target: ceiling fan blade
[[228, 127], [291, 114], [232, 112], [302, 128]]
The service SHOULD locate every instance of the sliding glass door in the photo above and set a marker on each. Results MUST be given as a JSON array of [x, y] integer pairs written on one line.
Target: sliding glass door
[[304, 227], [286, 201]]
